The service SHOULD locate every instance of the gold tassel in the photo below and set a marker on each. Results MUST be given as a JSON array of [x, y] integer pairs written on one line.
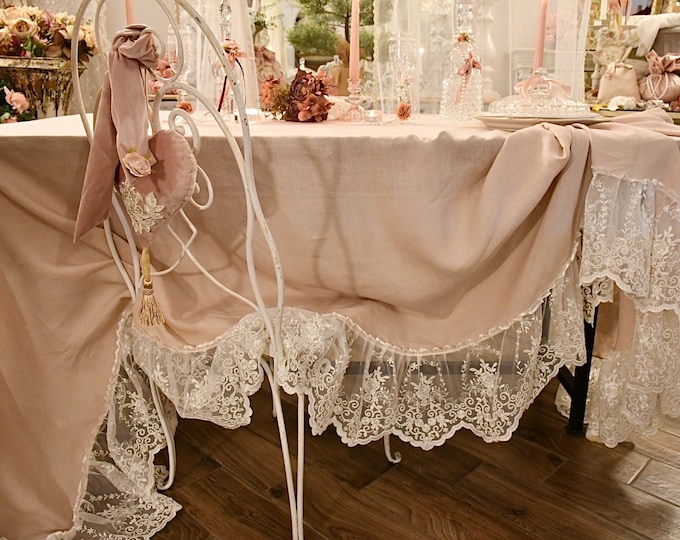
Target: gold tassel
[[150, 313]]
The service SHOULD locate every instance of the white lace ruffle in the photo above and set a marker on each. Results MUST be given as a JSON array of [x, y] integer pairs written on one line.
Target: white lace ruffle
[[208, 383], [632, 241], [118, 498], [365, 387], [368, 388]]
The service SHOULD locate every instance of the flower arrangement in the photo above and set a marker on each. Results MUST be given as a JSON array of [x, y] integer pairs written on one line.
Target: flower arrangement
[[14, 106], [304, 100], [28, 31]]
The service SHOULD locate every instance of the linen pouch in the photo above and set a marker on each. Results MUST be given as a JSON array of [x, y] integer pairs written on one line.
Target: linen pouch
[[620, 79]]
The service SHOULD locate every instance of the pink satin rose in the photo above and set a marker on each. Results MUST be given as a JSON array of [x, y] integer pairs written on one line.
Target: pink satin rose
[[137, 164], [17, 100]]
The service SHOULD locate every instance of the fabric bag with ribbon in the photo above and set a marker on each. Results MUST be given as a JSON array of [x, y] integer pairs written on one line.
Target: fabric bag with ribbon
[[620, 79], [155, 177], [661, 83]]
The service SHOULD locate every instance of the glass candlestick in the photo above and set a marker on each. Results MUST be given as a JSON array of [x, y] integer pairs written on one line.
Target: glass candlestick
[[354, 91], [462, 85]]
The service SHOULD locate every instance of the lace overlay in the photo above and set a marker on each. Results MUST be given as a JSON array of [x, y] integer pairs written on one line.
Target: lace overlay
[[119, 498], [632, 241], [368, 388], [211, 382]]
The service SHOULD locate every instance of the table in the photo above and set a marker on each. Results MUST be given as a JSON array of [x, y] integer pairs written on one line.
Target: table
[[421, 263]]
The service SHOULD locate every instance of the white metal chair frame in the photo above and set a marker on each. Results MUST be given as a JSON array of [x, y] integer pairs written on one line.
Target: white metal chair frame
[[254, 214]]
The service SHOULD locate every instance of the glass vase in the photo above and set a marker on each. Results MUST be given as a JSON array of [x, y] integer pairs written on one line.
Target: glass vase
[[462, 85]]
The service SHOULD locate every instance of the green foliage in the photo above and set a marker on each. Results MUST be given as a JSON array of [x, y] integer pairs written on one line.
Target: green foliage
[[366, 43], [337, 13], [311, 37]]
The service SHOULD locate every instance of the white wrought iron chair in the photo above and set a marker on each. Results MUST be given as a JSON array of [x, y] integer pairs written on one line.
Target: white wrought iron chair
[[271, 316]]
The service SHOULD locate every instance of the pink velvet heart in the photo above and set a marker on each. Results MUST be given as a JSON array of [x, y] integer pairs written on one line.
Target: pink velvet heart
[[152, 200]]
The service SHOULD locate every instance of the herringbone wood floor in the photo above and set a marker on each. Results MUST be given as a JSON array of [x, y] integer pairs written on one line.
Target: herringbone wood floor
[[542, 484]]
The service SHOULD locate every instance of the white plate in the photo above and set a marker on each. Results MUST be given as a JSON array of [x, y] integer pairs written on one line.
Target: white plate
[[513, 123]]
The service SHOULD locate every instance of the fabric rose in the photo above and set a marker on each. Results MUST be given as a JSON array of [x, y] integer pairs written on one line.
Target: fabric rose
[[17, 100], [137, 164], [403, 110], [14, 12], [23, 28], [266, 88]]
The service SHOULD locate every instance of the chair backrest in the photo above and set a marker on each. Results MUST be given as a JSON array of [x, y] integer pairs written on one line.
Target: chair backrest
[[202, 382], [179, 119]]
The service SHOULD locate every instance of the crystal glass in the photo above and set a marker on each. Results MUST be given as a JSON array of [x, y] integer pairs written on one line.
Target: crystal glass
[[403, 55], [462, 85]]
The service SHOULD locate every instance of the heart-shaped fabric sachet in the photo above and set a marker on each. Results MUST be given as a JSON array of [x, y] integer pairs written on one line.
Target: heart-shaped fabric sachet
[[155, 177]]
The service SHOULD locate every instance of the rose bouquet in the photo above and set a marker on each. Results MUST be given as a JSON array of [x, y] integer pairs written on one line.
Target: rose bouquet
[[304, 100], [28, 31]]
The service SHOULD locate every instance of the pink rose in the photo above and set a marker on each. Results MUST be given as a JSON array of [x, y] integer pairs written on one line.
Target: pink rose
[[137, 164], [17, 100], [23, 28], [403, 110]]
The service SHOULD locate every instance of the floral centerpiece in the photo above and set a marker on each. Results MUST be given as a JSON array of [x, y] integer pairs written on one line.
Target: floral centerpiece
[[35, 55], [29, 32], [304, 100]]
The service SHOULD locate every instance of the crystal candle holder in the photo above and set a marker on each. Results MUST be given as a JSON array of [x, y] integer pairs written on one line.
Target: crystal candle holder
[[354, 112]]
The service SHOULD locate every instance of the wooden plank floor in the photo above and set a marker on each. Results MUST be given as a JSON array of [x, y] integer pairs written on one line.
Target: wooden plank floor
[[542, 484]]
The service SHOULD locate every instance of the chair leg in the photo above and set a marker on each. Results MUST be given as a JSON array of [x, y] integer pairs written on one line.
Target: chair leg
[[392, 458], [579, 393], [300, 465], [283, 437], [169, 439]]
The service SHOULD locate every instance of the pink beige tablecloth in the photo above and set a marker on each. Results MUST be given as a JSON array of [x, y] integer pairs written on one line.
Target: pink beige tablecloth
[[411, 249]]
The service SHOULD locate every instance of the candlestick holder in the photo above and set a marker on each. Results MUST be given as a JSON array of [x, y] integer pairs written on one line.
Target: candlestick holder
[[354, 90]]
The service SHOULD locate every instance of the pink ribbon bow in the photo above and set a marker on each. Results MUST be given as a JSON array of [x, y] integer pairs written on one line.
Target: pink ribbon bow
[[465, 71]]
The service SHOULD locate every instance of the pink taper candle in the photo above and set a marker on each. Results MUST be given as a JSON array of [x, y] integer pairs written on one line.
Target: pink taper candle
[[629, 5], [540, 35], [354, 43], [129, 12]]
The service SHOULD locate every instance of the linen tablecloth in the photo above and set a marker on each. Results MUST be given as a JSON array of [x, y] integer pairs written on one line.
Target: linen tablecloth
[[421, 263]]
